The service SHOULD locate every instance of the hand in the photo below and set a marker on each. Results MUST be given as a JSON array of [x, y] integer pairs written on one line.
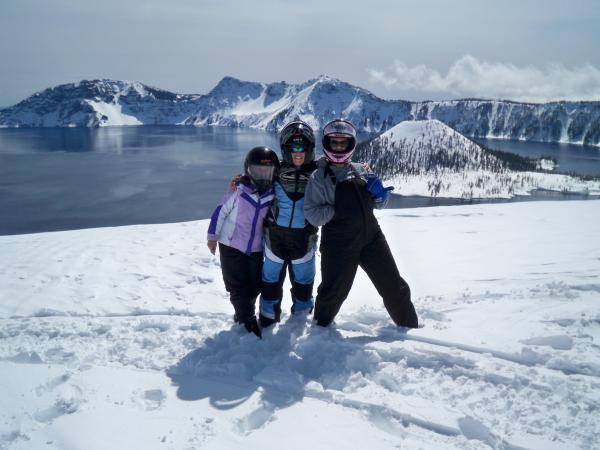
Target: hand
[[212, 246], [234, 182], [376, 189]]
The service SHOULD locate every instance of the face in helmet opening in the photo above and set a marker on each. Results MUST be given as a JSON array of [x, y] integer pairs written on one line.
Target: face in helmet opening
[[339, 141], [339, 144], [297, 154], [298, 151], [338, 149], [296, 138]]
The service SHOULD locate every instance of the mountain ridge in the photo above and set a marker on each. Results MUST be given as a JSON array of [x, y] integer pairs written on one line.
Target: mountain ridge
[[237, 103]]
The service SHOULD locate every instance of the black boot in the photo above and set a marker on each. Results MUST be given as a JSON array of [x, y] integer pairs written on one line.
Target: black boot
[[252, 327], [266, 321]]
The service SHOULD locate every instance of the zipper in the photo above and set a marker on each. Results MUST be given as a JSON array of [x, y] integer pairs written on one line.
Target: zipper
[[294, 201], [254, 223]]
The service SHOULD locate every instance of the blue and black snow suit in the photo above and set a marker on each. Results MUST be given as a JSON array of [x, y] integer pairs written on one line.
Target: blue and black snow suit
[[290, 242]]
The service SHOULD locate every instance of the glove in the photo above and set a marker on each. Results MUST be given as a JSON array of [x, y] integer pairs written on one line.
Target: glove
[[376, 189]]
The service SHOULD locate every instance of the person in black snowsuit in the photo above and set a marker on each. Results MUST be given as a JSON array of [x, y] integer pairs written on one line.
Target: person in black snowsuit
[[340, 197]]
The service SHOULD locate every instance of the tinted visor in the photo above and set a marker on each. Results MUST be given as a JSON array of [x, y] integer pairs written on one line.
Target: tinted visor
[[339, 144], [261, 173]]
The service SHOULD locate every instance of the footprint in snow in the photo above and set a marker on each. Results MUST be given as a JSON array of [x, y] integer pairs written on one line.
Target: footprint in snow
[[558, 342], [153, 399], [69, 402], [51, 384]]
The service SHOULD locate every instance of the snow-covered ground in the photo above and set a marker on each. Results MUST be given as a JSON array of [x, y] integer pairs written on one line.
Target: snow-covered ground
[[123, 338]]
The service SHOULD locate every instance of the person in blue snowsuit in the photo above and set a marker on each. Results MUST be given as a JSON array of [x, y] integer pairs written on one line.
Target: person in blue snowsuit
[[290, 241]]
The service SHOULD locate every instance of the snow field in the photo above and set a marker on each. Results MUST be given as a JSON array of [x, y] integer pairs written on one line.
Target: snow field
[[123, 338]]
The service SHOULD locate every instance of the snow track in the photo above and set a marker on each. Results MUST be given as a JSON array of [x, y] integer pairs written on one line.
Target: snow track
[[508, 359]]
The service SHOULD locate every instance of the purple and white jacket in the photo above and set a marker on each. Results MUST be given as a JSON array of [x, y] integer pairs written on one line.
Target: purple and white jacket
[[238, 219]]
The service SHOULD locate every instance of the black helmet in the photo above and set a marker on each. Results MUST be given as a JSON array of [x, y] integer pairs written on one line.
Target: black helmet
[[297, 136], [342, 130], [261, 167]]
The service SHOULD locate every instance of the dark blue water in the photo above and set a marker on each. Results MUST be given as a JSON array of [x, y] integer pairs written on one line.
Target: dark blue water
[[56, 179], [59, 178], [582, 160]]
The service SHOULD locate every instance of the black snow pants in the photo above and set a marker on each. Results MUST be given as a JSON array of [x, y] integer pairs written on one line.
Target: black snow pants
[[352, 238], [242, 277]]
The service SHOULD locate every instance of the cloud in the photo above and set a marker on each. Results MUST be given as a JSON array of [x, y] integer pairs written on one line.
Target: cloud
[[470, 77]]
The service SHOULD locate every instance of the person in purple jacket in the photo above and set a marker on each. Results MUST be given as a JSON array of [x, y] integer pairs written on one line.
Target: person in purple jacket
[[237, 226]]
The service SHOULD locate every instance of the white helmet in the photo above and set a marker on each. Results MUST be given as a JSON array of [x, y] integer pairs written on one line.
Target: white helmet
[[342, 130]]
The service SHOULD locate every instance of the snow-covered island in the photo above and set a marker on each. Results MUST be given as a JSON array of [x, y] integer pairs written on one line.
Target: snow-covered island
[[428, 158], [236, 103], [123, 338]]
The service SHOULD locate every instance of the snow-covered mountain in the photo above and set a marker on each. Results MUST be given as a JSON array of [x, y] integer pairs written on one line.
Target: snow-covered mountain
[[94, 103], [427, 157], [566, 122], [421, 146], [268, 106]]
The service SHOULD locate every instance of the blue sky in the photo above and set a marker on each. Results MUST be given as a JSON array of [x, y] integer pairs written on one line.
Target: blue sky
[[433, 49]]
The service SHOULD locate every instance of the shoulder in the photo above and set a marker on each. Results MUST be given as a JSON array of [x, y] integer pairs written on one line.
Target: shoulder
[[311, 166], [321, 162], [318, 172], [321, 165], [285, 166], [278, 189], [243, 189], [285, 171]]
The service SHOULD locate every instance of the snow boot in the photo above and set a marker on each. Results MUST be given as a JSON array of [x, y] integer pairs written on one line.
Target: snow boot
[[266, 321], [251, 326]]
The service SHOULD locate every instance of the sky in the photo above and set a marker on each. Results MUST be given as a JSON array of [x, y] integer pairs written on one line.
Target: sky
[[529, 50]]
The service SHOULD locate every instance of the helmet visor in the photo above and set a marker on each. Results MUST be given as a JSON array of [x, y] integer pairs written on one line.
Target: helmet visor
[[261, 173], [339, 144]]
